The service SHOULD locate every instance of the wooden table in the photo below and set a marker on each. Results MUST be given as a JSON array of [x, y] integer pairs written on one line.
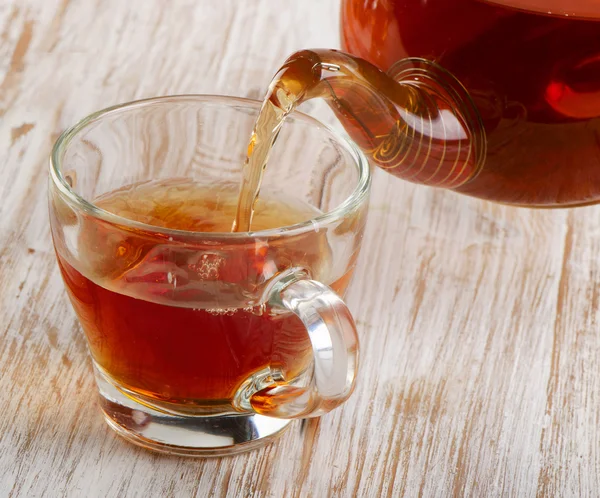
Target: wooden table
[[479, 323]]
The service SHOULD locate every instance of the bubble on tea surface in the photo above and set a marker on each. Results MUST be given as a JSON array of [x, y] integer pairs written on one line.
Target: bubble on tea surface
[[207, 266], [222, 311]]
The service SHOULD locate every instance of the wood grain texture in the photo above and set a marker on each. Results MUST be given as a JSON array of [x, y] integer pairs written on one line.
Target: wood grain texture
[[479, 323]]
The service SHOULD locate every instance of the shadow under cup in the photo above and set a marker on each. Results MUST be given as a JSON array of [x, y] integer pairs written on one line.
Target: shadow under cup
[[206, 342]]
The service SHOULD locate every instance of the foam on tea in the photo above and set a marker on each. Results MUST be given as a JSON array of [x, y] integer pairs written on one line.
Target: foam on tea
[[182, 204]]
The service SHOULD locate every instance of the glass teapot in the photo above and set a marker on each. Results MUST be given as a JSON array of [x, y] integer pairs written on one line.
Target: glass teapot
[[526, 87]]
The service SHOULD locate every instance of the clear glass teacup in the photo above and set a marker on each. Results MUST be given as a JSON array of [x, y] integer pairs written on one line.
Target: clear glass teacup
[[204, 341]]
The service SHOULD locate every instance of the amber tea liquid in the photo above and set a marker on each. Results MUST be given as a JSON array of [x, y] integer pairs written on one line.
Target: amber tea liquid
[[526, 131], [533, 70], [156, 319]]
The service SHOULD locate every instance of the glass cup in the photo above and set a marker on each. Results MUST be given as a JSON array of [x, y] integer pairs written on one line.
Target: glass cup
[[208, 342]]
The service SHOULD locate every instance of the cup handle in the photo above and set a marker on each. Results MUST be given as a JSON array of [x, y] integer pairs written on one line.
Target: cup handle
[[332, 333]]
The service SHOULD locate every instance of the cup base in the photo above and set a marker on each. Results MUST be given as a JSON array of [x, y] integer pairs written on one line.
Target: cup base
[[195, 436]]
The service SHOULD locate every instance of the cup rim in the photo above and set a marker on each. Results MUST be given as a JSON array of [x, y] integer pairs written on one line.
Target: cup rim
[[351, 202]]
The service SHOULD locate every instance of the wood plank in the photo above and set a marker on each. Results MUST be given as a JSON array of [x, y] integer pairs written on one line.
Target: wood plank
[[478, 322]]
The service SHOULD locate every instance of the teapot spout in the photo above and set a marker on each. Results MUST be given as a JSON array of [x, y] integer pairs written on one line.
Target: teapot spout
[[416, 121]]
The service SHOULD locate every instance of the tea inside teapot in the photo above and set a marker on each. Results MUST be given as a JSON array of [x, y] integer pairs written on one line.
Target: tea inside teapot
[[532, 69]]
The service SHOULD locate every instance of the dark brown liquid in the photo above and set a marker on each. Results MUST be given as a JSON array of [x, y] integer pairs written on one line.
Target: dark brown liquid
[[535, 79], [154, 312], [417, 135]]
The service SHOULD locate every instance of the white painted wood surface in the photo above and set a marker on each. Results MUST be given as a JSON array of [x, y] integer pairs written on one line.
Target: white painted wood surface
[[479, 323]]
